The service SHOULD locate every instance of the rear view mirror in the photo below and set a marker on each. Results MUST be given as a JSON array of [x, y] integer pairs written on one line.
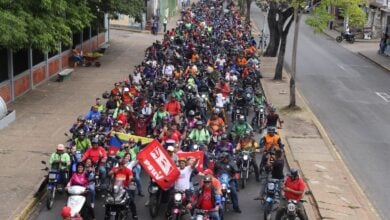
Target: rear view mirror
[[43, 162]]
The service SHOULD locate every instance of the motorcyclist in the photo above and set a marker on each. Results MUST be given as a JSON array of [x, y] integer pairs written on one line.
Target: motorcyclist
[[208, 199], [248, 143], [132, 163], [216, 123], [200, 135], [259, 99], [99, 157], [241, 101], [79, 125], [224, 146], [225, 165], [273, 119], [93, 114], [159, 115], [239, 128], [294, 188], [183, 183], [105, 123], [140, 124], [222, 87], [271, 139], [190, 121], [173, 107], [60, 161], [122, 173]]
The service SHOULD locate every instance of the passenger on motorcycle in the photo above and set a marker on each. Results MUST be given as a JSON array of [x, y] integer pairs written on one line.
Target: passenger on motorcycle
[[90, 172], [248, 143], [216, 123], [60, 160], [122, 173], [273, 119], [226, 165], [140, 124], [79, 125], [224, 146], [99, 156], [183, 183], [240, 127], [172, 154], [259, 99], [80, 178], [294, 187], [222, 87], [93, 114], [132, 163], [173, 107], [159, 115], [200, 135], [271, 139], [207, 199]]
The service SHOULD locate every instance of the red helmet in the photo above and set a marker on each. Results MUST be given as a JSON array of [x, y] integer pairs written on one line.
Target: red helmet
[[208, 172]]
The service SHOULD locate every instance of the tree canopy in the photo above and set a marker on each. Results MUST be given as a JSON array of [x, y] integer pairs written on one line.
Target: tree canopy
[[43, 24]]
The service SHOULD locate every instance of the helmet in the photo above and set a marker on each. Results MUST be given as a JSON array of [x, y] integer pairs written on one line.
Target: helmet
[[66, 212], [60, 147], [95, 140], [224, 136], [271, 130], [258, 92], [224, 154], [217, 111], [207, 179], [81, 133], [80, 118], [241, 118], [199, 123], [166, 118], [208, 172], [273, 109], [247, 133], [294, 172], [191, 113]]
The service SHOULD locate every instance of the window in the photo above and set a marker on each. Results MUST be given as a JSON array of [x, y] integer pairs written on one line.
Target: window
[[37, 57], [3, 64], [20, 61]]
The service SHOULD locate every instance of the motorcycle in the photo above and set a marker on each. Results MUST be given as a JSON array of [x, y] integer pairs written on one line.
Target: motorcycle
[[224, 179], [259, 120], [117, 202], [290, 212], [238, 111], [269, 199], [155, 198], [76, 201], [245, 166], [200, 214], [345, 36], [179, 207], [55, 182]]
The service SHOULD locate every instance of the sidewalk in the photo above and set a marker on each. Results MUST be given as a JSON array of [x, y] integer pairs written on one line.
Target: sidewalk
[[45, 113], [365, 48], [334, 192]]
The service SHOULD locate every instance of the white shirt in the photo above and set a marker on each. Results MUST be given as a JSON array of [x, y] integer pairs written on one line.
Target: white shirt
[[137, 79], [183, 183], [219, 101], [131, 164]]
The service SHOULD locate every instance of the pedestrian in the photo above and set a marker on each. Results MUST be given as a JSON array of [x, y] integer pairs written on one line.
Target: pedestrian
[[165, 21], [382, 44]]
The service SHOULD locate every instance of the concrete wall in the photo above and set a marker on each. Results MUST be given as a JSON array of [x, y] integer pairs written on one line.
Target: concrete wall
[[41, 72]]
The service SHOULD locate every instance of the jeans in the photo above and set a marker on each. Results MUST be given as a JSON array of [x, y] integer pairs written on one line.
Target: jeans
[[137, 178], [103, 174], [233, 193], [132, 205], [214, 215], [92, 191]]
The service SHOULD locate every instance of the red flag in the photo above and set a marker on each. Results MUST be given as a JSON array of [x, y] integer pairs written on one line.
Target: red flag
[[196, 154], [158, 164]]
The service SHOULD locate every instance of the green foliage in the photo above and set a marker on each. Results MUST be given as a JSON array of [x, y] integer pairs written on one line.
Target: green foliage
[[351, 9], [133, 8]]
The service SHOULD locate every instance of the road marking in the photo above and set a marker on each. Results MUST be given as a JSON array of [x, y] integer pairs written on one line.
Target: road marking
[[384, 96], [342, 67]]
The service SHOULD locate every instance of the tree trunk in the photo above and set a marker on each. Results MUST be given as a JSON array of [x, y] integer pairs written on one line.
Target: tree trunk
[[297, 17], [248, 11], [283, 41], [274, 34]]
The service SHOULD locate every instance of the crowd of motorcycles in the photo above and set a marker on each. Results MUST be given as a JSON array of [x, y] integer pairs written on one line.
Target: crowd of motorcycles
[[193, 63]]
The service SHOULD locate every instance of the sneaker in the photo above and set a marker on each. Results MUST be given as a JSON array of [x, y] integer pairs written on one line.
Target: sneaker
[[141, 194], [238, 210]]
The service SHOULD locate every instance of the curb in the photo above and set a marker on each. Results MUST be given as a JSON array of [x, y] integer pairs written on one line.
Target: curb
[[356, 40], [32, 202], [332, 147], [374, 62]]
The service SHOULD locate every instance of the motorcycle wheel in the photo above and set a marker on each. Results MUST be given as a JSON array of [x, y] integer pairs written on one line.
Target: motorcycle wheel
[[352, 40], [175, 217], [267, 211], [339, 39], [50, 198], [153, 206], [243, 183]]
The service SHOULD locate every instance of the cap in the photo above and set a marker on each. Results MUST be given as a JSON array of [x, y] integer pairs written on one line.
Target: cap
[[65, 212], [170, 148], [208, 172], [60, 147], [182, 159]]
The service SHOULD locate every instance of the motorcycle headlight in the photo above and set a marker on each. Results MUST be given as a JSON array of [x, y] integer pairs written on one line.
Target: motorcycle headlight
[[291, 207], [196, 147], [223, 186], [238, 111], [153, 189], [245, 157], [116, 189], [203, 96], [261, 110], [178, 197], [52, 176], [271, 186], [268, 199]]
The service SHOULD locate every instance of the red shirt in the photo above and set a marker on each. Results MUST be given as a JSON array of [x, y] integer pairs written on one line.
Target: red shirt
[[122, 117], [124, 174], [95, 154], [207, 202], [224, 89], [297, 185], [173, 107]]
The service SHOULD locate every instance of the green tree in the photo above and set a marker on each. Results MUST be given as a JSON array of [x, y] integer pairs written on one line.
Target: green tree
[[133, 8]]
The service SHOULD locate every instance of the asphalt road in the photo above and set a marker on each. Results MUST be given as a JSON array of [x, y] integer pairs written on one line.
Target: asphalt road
[[349, 95]]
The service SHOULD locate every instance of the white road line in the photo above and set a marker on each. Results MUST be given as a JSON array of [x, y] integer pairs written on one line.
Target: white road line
[[384, 96], [341, 66]]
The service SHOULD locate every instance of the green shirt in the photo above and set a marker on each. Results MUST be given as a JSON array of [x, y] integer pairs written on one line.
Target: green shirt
[[259, 100], [64, 157], [200, 136], [101, 108], [133, 152], [158, 116], [239, 129], [82, 145], [178, 94]]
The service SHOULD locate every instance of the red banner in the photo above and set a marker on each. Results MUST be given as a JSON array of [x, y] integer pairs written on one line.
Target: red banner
[[196, 154], [158, 164]]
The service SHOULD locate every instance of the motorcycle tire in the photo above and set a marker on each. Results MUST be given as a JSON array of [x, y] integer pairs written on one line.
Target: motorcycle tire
[[339, 39], [50, 198], [153, 206], [351, 40], [267, 211], [175, 217], [243, 183]]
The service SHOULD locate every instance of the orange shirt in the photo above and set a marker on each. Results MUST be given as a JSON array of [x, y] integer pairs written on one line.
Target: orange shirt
[[216, 124]]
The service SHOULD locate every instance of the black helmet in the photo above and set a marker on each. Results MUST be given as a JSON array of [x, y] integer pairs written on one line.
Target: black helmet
[[224, 136], [224, 155], [80, 132], [294, 172], [271, 129], [191, 113], [207, 179]]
